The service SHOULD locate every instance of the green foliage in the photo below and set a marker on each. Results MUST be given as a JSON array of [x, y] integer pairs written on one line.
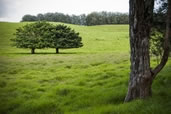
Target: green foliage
[[156, 44], [64, 37], [45, 35], [159, 28], [94, 18], [29, 18], [101, 18], [32, 35]]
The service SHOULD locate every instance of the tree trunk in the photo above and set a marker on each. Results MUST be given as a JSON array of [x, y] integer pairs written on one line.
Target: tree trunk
[[33, 51], [141, 76], [140, 20], [57, 50]]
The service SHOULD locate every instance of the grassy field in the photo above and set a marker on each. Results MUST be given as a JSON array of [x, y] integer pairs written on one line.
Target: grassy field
[[88, 80]]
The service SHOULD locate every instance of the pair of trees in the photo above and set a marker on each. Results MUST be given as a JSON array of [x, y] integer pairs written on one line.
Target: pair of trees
[[45, 35], [142, 75]]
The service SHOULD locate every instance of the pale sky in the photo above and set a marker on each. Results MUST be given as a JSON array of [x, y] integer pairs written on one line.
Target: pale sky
[[13, 10]]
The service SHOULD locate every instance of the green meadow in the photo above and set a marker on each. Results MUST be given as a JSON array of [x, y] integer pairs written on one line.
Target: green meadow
[[88, 80]]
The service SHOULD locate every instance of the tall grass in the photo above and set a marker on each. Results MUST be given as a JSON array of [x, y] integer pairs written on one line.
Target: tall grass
[[88, 80]]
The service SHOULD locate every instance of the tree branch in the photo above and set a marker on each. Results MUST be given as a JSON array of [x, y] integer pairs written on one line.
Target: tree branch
[[165, 56]]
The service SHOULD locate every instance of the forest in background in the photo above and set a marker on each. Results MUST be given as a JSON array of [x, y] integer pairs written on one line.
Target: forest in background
[[94, 18]]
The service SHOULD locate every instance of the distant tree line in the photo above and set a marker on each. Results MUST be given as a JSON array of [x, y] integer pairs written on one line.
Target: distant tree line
[[94, 18]]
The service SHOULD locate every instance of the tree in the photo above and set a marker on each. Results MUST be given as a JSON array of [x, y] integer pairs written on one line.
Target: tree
[[29, 18], [64, 37], [32, 36], [93, 18], [40, 17], [75, 19], [142, 76], [83, 19]]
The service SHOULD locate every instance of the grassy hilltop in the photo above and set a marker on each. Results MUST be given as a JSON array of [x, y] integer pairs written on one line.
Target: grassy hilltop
[[88, 80]]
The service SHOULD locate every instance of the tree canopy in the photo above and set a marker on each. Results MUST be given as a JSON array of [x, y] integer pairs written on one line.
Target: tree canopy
[[40, 35], [31, 36], [63, 37]]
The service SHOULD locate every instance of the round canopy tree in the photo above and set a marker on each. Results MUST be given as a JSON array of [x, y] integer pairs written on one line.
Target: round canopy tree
[[63, 37], [32, 36]]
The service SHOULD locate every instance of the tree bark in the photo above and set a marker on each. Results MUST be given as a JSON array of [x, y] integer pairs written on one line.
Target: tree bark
[[33, 51], [57, 50], [140, 19], [142, 76]]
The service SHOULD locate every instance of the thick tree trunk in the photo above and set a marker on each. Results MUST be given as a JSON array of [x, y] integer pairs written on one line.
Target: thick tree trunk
[[140, 82], [57, 50], [142, 76], [33, 51]]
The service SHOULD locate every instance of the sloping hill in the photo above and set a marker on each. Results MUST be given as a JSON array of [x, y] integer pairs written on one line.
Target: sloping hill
[[92, 79], [106, 38]]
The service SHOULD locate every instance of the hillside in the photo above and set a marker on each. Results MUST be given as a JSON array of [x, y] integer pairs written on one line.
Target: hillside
[[92, 79]]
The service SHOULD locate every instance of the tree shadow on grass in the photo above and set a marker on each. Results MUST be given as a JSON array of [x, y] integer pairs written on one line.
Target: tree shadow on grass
[[45, 53]]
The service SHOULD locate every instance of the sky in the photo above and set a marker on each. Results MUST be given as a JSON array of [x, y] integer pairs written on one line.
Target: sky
[[14, 10]]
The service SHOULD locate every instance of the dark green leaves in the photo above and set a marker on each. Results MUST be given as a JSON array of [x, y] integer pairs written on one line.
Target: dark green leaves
[[45, 35], [65, 37]]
